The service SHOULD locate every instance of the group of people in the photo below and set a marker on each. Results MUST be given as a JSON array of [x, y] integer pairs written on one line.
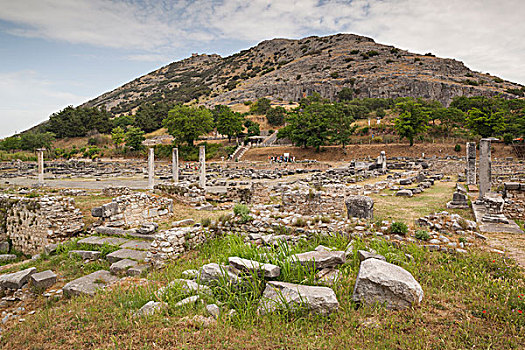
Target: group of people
[[281, 159]]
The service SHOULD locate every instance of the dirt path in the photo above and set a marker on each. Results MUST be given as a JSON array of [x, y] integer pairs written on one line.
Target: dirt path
[[512, 244]]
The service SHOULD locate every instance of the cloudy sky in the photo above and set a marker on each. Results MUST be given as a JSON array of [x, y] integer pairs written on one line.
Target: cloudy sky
[[55, 53]]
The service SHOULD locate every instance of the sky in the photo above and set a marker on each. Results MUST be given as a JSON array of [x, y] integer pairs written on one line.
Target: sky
[[55, 53]]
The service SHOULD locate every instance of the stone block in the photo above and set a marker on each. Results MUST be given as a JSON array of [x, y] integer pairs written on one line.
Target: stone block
[[43, 280], [89, 284], [121, 254], [360, 207]]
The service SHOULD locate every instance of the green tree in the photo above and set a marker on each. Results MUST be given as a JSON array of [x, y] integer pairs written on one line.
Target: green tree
[[486, 123], [345, 94], [149, 116], [340, 121], [10, 143], [30, 141], [228, 122], [134, 138], [186, 123], [252, 128], [275, 116], [412, 121], [449, 118], [123, 121], [77, 122], [261, 106], [118, 135]]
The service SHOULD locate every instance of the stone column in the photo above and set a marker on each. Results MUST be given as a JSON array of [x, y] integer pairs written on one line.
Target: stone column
[[471, 163], [151, 167], [175, 164], [383, 161], [202, 169], [485, 166], [40, 159]]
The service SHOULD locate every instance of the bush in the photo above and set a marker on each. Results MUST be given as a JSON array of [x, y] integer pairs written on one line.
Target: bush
[[243, 212], [457, 148], [507, 138], [399, 228], [422, 235]]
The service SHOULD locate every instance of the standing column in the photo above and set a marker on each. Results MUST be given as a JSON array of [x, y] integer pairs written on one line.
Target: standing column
[[471, 163], [202, 160], [151, 167], [175, 164], [40, 159], [383, 161], [485, 170]]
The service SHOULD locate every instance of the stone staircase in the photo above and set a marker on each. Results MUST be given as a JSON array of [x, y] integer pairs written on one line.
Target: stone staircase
[[239, 152]]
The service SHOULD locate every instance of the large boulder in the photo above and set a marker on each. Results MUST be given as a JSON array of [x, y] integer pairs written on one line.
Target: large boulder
[[266, 270], [320, 300], [319, 259], [388, 284]]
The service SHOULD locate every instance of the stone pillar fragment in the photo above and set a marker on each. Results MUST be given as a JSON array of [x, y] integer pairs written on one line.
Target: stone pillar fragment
[[383, 161], [175, 164], [485, 168], [40, 158], [202, 168], [151, 167], [471, 163]]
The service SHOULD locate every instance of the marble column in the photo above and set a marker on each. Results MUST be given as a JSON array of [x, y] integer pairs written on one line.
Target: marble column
[[175, 164], [40, 159], [485, 168], [471, 163], [202, 169], [151, 167]]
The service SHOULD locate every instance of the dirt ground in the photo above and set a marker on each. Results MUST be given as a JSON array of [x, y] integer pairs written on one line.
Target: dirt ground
[[336, 153]]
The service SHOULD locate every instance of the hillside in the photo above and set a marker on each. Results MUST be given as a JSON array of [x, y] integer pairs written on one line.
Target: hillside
[[288, 70]]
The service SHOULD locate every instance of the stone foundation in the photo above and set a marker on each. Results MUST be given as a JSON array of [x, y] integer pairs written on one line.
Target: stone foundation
[[514, 195], [133, 209], [32, 223]]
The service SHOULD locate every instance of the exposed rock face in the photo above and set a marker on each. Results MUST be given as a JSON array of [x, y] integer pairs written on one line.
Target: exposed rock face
[[385, 283], [320, 300], [290, 69]]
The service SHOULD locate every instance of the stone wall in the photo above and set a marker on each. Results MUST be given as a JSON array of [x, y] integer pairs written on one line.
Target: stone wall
[[514, 194], [32, 223], [133, 209]]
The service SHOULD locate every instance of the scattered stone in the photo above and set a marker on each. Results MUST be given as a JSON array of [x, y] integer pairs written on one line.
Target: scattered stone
[[385, 283], [267, 270], [404, 193], [360, 207], [188, 300], [85, 254], [121, 267], [126, 254], [328, 277], [363, 255], [190, 274], [213, 310], [320, 260], [7, 257], [138, 270], [320, 300], [17, 279], [89, 284], [212, 273], [150, 308], [43, 280]]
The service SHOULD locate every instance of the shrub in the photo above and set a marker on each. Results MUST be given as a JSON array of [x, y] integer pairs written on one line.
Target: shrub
[[334, 75], [457, 148], [399, 228], [243, 212], [507, 138], [422, 235]]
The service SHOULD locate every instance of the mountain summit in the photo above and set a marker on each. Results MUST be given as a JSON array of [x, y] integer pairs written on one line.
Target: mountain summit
[[284, 69]]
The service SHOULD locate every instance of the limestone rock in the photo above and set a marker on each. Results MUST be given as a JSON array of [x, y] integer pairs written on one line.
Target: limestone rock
[[212, 273], [320, 260], [363, 255], [150, 308], [320, 300], [42, 280], [360, 207], [385, 283], [267, 270], [122, 266], [16, 280], [89, 284], [126, 254]]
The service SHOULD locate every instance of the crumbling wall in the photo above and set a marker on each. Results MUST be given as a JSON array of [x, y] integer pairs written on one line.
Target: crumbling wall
[[133, 209], [514, 200], [32, 223]]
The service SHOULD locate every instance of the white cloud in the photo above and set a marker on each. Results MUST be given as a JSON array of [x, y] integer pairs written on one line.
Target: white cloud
[[26, 99]]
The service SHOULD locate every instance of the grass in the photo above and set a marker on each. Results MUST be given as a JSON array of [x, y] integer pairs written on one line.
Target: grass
[[408, 209], [470, 302]]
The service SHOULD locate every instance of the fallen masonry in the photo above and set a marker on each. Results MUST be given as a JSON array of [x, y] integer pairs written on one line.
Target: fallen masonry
[[89, 284]]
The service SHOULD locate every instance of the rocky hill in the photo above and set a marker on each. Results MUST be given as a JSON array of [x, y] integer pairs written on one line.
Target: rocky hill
[[283, 69]]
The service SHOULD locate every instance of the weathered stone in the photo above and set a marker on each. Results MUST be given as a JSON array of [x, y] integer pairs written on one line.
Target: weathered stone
[[266, 270], [404, 193], [4, 247], [212, 273], [320, 260], [213, 310], [328, 276], [122, 266], [320, 300], [385, 283], [363, 255], [43, 280], [485, 168], [85, 254], [16, 280], [7, 257], [89, 284], [360, 207], [187, 301], [121, 254], [138, 270], [471, 163], [139, 245], [150, 308]]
